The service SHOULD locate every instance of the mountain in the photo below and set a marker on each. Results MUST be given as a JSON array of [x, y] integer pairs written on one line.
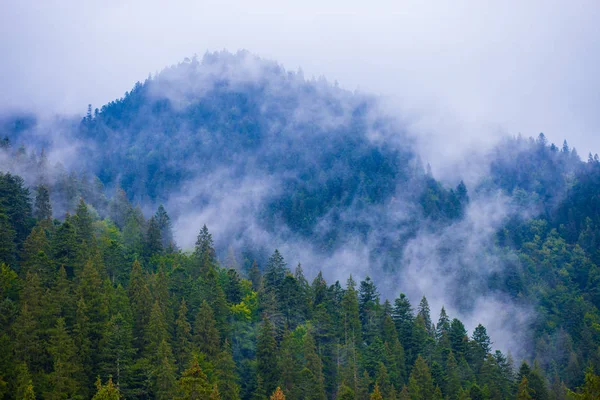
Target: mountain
[[270, 160]]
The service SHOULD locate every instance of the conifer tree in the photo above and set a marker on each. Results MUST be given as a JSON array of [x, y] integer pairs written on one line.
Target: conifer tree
[[153, 241], [141, 302], [312, 380], [442, 328], [193, 384], [8, 248], [156, 332], [523, 391], [350, 313], [183, 338], [164, 225], [266, 357], [376, 395], [82, 220], [420, 384], [24, 384], [403, 318], [42, 208], [65, 377], [214, 394], [117, 350], [204, 250], [109, 391], [227, 377], [277, 394], [255, 276], [164, 372], [425, 313], [452, 378], [206, 335]]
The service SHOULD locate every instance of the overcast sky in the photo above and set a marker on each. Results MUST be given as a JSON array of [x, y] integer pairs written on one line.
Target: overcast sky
[[463, 70]]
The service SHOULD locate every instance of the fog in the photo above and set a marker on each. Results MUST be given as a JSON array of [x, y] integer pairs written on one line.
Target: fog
[[461, 74], [457, 77]]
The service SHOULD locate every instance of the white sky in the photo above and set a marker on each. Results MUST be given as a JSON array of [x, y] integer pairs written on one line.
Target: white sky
[[462, 71]]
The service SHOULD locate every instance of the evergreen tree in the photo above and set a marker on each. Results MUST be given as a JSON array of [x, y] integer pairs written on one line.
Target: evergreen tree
[[183, 338], [226, 375], [403, 318], [156, 332], [117, 351], [266, 357], [42, 209], [277, 394], [206, 335], [376, 395], [350, 313], [204, 250], [164, 225], [164, 372], [193, 384], [8, 248], [311, 376], [109, 391], [425, 313], [153, 241], [65, 378], [141, 302], [523, 391], [420, 384]]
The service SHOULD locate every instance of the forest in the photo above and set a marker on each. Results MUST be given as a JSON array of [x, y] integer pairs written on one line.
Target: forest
[[102, 297]]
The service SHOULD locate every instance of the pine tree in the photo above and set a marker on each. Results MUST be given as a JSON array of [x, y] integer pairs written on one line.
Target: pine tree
[[204, 250], [420, 384], [277, 394], [156, 332], [141, 302], [117, 351], [193, 384], [255, 276], [91, 291], [266, 357], [166, 230], [110, 391], [425, 313], [350, 313], [153, 241], [226, 375], [8, 248], [376, 395], [442, 328], [523, 391], [42, 209], [382, 381], [403, 318], [183, 338], [206, 335], [24, 384], [215, 395], [82, 220], [452, 379], [312, 380], [164, 372], [65, 377]]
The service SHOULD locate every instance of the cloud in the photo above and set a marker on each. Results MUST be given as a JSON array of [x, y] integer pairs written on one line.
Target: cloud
[[463, 73]]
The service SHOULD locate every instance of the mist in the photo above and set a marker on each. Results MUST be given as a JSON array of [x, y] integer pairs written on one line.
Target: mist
[[454, 79], [460, 74]]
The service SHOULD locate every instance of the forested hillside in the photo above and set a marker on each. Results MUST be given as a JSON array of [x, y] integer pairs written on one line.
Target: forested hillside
[[111, 282]]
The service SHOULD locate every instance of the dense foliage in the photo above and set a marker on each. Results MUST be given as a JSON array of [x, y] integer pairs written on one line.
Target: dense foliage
[[98, 301], [89, 309]]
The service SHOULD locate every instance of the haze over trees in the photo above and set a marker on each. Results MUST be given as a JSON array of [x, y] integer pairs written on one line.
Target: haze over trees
[[101, 297]]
